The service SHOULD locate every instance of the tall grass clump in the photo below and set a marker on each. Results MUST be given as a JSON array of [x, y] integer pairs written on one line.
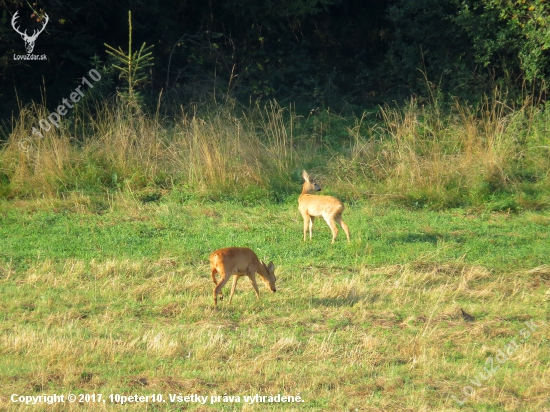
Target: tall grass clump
[[31, 165], [224, 154], [468, 155], [204, 151]]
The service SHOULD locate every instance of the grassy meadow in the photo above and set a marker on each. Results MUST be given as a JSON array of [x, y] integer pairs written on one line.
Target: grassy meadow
[[440, 301]]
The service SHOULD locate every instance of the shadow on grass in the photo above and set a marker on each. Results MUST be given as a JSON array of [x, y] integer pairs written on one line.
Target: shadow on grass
[[431, 238], [336, 302]]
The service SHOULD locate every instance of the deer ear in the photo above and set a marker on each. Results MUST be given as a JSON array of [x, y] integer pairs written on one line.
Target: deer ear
[[271, 267], [305, 175]]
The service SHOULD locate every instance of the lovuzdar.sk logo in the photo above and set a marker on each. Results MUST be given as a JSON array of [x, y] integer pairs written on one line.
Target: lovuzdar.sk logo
[[29, 40]]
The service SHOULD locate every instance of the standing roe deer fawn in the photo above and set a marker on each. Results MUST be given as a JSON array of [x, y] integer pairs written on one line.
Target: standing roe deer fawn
[[311, 206], [237, 262]]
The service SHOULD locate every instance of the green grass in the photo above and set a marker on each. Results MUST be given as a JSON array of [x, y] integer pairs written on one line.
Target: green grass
[[382, 235], [113, 295]]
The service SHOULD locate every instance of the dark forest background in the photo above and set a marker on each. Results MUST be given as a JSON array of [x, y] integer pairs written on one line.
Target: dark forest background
[[316, 53]]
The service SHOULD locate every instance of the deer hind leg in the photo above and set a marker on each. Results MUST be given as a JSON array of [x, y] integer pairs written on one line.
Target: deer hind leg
[[213, 274], [233, 287], [339, 220], [218, 288], [332, 225]]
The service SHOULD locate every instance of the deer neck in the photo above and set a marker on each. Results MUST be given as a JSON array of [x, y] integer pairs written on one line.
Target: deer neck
[[262, 270]]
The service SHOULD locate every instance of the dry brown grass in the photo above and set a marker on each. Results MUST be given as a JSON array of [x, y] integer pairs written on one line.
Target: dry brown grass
[[418, 154], [469, 155], [117, 147], [387, 338]]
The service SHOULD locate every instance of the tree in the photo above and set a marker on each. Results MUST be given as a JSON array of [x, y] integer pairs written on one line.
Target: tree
[[509, 35]]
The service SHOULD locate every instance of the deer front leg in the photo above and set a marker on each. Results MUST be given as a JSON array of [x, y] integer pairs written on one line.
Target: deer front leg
[[311, 219], [307, 222]]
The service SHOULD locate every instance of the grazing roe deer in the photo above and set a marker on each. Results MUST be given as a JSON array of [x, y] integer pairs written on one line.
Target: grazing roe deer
[[237, 262], [311, 206]]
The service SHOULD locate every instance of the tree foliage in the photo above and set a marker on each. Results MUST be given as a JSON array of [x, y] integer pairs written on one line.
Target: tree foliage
[[466, 44], [511, 32], [315, 52], [131, 66]]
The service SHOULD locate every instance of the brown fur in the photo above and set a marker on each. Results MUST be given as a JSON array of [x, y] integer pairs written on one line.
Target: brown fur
[[312, 206], [237, 262]]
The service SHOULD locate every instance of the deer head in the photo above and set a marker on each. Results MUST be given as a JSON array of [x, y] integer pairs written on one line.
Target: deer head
[[29, 40]]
